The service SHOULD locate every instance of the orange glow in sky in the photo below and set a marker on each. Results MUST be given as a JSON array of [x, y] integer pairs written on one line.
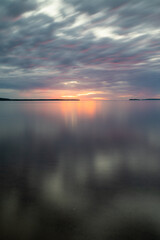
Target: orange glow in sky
[[47, 93], [68, 94]]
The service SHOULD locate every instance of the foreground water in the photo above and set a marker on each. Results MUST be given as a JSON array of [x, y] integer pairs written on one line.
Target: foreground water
[[80, 170]]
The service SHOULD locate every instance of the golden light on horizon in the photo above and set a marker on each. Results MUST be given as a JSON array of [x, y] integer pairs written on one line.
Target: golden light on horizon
[[61, 94], [89, 93], [69, 96], [100, 98], [84, 95]]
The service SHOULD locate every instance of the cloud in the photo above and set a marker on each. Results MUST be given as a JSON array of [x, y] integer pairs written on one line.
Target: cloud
[[12, 9], [92, 7], [111, 46]]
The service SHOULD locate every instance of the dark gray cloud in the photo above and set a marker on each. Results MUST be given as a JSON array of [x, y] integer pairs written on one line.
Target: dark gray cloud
[[94, 6], [129, 13], [14, 8], [146, 80]]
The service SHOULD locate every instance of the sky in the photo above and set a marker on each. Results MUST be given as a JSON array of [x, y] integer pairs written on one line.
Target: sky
[[88, 49]]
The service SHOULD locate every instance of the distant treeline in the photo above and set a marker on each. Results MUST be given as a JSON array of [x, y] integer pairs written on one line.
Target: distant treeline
[[5, 99], [34, 99], [143, 99]]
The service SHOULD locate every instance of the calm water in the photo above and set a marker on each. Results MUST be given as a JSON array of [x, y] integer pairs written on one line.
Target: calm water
[[80, 170]]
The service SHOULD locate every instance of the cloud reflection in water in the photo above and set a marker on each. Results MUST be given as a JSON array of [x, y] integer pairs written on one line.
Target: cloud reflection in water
[[85, 170]]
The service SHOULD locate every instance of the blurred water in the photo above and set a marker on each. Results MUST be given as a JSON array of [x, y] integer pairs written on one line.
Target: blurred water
[[80, 170]]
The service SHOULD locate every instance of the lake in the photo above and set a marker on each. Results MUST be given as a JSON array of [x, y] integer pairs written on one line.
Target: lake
[[86, 170]]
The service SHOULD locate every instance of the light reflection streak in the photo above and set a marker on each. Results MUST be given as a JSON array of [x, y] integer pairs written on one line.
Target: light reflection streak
[[71, 111]]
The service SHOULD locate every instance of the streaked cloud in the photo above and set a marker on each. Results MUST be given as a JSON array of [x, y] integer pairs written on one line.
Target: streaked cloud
[[80, 46]]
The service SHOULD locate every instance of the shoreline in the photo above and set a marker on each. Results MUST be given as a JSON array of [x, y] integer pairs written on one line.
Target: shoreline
[[38, 100]]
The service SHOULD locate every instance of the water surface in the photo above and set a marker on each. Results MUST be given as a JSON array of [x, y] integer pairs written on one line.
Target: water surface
[[80, 170]]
